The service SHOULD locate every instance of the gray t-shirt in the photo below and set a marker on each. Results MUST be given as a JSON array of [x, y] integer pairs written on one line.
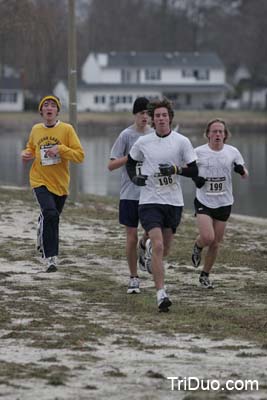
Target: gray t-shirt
[[121, 148]]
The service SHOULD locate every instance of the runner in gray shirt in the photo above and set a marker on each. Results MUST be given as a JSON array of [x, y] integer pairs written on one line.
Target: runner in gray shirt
[[129, 192]]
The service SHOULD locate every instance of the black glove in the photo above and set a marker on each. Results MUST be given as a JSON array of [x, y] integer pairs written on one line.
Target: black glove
[[168, 169], [199, 181], [239, 169], [139, 180]]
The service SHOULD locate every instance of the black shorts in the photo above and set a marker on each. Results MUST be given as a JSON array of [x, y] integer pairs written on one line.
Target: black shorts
[[128, 213], [220, 213], [160, 216]]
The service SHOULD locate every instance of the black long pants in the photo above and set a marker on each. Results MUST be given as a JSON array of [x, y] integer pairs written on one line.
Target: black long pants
[[51, 207]]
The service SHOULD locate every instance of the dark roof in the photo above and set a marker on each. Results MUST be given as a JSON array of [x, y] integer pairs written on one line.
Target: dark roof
[[10, 83], [167, 59]]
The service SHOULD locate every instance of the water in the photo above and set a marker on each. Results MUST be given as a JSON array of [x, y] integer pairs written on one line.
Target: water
[[250, 194]]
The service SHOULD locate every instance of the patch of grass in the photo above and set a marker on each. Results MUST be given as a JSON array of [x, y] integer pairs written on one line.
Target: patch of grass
[[184, 117], [4, 315], [212, 319], [54, 374], [20, 252], [94, 207], [115, 373], [244, 354]]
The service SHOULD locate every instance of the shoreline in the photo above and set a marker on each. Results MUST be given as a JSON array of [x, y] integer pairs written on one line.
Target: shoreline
[[238, 217], [241, 120]]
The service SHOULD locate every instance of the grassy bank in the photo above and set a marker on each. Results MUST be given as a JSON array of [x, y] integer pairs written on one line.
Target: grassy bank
[[77, 334], [183, 118], [237, 308]]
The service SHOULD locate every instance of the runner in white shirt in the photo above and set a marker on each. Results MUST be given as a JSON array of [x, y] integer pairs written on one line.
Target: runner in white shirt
[[165, 154], [130, 193], [214, 195]]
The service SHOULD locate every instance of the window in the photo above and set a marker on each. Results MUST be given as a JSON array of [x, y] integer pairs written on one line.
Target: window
[[8, 97], [125, 75], [188, 99], [121, 99], [198, 74], [187, 73], [130, 76], [100, 99], [201, 74], [153, 74]]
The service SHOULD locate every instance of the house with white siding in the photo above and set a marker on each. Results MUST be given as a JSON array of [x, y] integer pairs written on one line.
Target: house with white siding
[[254, 99], [11, 94], [112, 81]]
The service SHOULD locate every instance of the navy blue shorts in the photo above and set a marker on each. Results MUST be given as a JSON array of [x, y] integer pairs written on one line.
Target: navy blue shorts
[[160, 216], [128, 213], [220, 213]]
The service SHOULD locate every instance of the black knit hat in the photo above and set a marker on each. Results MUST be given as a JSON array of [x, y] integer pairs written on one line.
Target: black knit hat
[[140, 104]]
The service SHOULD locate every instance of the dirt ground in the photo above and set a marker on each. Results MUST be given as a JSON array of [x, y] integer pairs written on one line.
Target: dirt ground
[[59, 342]]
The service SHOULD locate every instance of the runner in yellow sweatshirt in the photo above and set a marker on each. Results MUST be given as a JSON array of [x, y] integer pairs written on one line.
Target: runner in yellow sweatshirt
[[52, 144]]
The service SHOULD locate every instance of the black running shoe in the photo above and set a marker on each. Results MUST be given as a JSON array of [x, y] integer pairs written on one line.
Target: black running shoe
[[141, 256], [164, 304], [51, 268], [51, 264], [148, 256], [205, 282], [196, 255]]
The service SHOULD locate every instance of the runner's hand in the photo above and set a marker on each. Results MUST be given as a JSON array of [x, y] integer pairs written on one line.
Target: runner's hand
[[26, 156], [139, 180], [239, 169], [168, 169], [199, 181]]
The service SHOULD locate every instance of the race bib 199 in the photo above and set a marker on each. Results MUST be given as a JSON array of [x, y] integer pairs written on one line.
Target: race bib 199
[[215, 186]]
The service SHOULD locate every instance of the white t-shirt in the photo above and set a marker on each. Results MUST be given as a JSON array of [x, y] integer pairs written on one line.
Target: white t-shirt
[[153, 150], [121, 148], [217, 167]]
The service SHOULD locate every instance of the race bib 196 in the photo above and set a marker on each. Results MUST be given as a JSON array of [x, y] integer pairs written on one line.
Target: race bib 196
[[215, 186], [162, 181]]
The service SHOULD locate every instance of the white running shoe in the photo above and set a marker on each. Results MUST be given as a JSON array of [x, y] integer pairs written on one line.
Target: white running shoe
[[51, 264], [133, 286], [148, 256]]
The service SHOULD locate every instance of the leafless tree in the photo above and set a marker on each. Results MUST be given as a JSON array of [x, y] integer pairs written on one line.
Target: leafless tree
[[33, 33]]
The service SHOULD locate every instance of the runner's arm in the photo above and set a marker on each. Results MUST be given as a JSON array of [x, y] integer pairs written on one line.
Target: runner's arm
[[190, 171], [139, 180]]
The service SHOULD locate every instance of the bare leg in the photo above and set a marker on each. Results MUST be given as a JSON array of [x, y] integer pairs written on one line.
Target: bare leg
[[211, 233], [206, 230], [157, 257], [212, 251], [144, 238], [167, 240], [160, 246], [131, 253]]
